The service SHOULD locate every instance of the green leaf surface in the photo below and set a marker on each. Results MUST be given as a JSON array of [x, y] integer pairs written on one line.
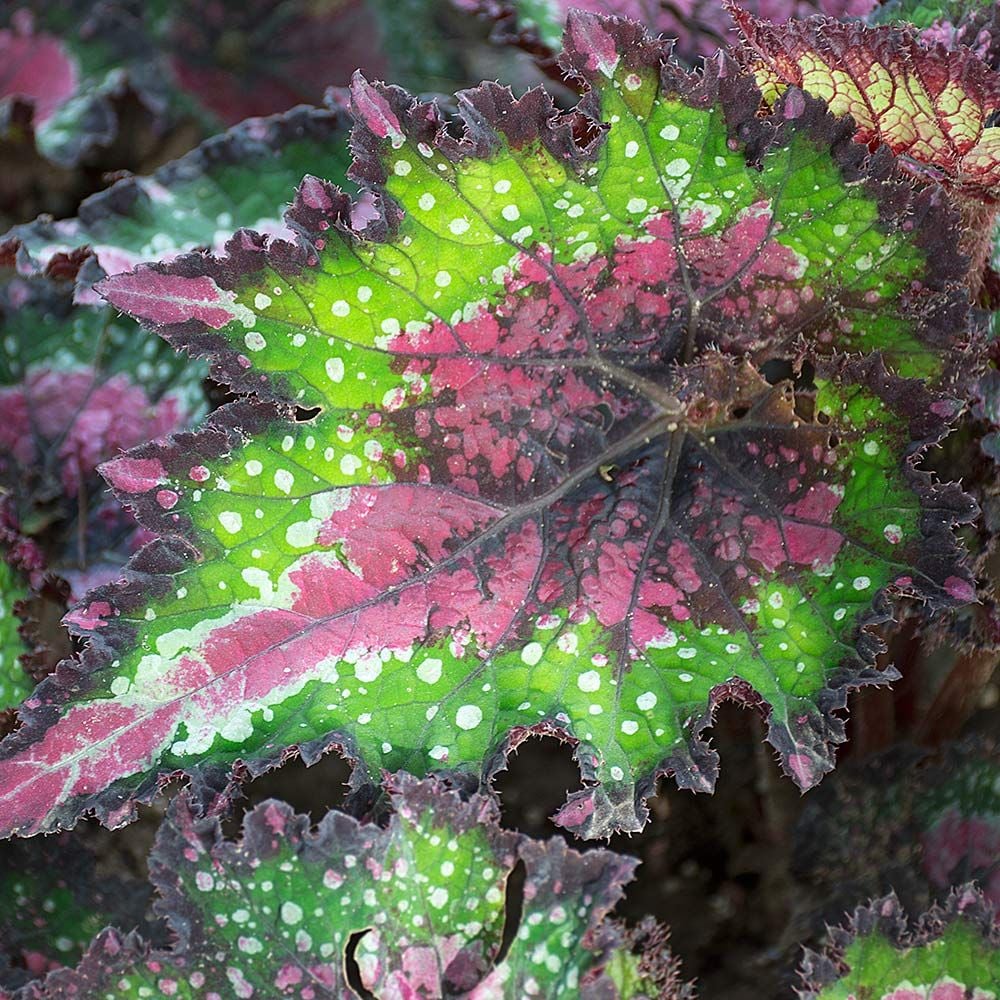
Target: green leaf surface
[[14, 682], [533, 482], [273, 914], [82, 382], [951, 952]]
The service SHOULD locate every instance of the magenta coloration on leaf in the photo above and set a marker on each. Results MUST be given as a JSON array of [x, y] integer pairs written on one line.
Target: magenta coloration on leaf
[[538, 488], [174, 299], [36, 66], [273, 914]]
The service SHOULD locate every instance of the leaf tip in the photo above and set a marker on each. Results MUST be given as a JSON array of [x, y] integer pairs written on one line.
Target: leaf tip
[[372, 109]]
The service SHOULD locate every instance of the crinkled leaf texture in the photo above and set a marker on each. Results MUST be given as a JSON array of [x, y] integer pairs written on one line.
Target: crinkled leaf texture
[[245, 177], [273, 914], [510, 468], [698, 27], [951, 953], [933, 105], [53, 902]]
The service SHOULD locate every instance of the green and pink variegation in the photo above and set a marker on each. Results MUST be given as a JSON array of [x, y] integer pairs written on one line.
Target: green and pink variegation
[[274, 914], [565, 442]]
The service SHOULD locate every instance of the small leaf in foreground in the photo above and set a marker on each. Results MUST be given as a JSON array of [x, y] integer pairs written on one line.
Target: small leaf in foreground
[[532, 481], [272, 914], [951, 953]]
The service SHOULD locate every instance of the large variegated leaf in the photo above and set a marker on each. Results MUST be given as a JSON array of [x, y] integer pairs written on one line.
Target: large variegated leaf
[[512, 468], [274, 914], [951, 953]]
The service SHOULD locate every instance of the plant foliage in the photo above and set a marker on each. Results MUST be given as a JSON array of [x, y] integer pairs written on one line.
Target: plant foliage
[[952, 951], [528, 418], [541, 488], [272, 914]]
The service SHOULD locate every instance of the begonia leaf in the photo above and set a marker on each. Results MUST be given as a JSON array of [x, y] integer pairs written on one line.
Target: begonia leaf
[[98, 382], [73, 61], [951, 953], [934, 106], [958, 815], [78, 385], [509, 469], [53, 901], [274, 913], [699, 27]]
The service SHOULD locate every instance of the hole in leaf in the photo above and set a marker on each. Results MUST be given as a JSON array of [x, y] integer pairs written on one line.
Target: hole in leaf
[[739, 412], [777, 370], [834, 440], [314, 790], [304, 414], [539, 777], [513, 909], [352, 971]]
